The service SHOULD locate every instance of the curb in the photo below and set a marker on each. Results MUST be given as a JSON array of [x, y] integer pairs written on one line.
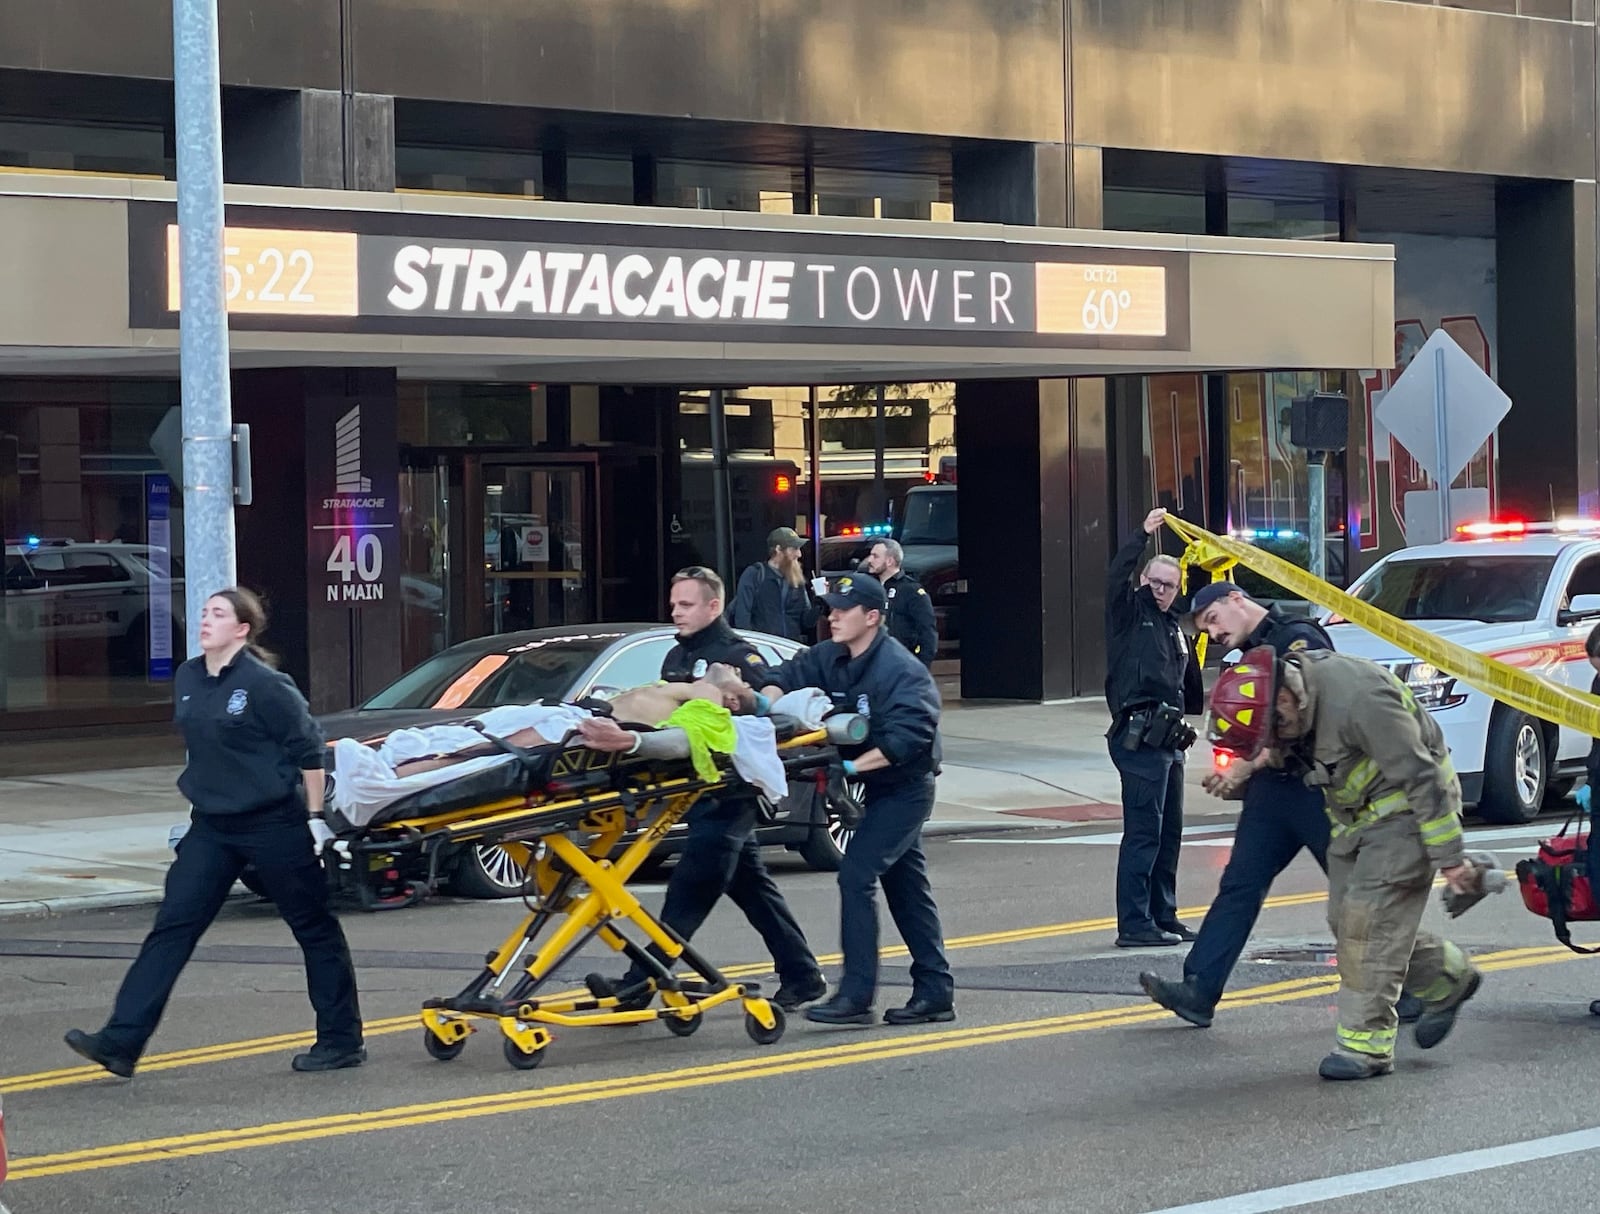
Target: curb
[[50, 908]]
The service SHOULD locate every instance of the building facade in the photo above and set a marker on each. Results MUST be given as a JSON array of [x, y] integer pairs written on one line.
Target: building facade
[[534, 303]]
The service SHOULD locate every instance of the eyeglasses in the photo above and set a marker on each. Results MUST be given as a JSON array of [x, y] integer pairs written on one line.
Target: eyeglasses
[[1157, 584], [697, 573]]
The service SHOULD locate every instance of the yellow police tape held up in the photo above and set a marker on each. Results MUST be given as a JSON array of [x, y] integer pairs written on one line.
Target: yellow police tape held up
[[1538, 697]]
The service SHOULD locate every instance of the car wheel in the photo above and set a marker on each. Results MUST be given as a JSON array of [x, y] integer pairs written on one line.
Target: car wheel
[[486, 872], [1516, 769], [826, 845]]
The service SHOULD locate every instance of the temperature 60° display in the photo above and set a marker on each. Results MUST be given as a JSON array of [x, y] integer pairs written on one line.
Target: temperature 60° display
[[1091, 298]]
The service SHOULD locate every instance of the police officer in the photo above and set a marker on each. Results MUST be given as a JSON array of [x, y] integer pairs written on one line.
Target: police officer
[[255, 781], [1280, 815], [1152, 680], [866, 671], [721, 855], [911, 619]]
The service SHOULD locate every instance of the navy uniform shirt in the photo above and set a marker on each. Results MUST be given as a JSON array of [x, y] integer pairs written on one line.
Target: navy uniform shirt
[[249, 735], [1286, 635], [889, 687], [694, 654], [911, 618], [1148, 659]]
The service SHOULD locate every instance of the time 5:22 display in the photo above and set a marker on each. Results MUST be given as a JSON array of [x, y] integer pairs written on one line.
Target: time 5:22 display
[[280, 272]]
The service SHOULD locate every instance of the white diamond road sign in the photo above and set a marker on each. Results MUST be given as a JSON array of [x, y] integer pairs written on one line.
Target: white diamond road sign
[[1473, 403]]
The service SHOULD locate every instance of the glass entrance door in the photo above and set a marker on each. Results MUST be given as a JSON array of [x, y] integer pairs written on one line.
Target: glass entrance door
[[425, 626], [538, 546]]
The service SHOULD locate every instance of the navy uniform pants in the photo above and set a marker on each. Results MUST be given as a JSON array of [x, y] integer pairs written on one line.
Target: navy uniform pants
[[721, 856], [1152, 829], [210, 858], [887, 851], [1280, 816]]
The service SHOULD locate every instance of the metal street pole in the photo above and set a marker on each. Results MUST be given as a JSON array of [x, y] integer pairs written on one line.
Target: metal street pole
[[721, 496], [1441, 459], [1316, 490], [208, 535]]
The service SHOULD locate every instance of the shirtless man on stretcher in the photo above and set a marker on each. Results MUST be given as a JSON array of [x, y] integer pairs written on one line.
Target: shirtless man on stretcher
[[648, 705]]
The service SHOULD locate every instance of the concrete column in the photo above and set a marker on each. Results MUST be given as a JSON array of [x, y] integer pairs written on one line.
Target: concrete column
[[1034, 474], [311, 137], [338, 654], [1545, 295]]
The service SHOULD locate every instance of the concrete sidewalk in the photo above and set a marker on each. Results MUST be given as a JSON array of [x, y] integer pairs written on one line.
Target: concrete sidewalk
[[84, 839]]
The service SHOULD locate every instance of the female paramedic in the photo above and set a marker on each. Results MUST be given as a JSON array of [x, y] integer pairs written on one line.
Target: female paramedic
[[252, 748]]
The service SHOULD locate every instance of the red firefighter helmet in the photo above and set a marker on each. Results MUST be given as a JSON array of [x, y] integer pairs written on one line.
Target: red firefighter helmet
[[1243, 703]]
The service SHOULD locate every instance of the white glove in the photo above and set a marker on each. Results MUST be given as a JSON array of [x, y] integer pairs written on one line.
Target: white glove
[[321, 835], [819, 586]]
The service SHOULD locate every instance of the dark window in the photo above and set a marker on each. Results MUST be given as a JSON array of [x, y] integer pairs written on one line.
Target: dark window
[[634, 666], [533, 672], [1476, 587]]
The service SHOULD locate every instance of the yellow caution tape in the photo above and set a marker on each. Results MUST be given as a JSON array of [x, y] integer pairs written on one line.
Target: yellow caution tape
[[1533, 695]]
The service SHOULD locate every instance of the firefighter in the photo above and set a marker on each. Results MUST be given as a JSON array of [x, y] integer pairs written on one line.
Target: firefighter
[[1348, 727]]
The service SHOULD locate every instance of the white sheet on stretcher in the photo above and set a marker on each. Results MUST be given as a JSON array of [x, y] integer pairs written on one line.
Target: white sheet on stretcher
[[365, 783]]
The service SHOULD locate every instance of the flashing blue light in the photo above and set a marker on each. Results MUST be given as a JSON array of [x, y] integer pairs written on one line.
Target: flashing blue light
[[1286, 535], [33, 541]]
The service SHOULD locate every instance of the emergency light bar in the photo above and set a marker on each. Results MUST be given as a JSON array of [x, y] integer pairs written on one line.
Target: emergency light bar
[[1513, 527]]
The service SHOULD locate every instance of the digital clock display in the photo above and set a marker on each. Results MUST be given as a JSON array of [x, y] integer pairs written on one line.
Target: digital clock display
[[1095, 299], [280, 272]]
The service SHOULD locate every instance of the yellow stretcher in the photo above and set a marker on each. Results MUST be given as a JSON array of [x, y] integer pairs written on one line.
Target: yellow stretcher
[[564, 812]]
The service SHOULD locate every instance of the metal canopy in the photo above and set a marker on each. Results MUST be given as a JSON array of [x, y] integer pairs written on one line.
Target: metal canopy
[[470, 288]]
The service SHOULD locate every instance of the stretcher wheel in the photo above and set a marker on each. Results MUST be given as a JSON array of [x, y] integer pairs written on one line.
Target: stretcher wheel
[[683, 1028], [760, 1033], [520, 1060], [444, 1051]]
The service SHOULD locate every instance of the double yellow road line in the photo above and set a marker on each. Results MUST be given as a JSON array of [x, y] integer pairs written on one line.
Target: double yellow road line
[[257, 1046], [829, 1057]]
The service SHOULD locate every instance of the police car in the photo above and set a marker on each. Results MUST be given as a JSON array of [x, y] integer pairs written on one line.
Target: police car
[[95, 595], [1525, 593]]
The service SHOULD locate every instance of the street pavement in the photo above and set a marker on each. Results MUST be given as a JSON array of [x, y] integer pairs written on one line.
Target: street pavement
[[79, 839], [1059, 1088]]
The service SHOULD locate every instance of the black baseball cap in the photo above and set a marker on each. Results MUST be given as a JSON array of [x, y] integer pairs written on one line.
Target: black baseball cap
[[857, 590], [1207, 595], [784, 537]]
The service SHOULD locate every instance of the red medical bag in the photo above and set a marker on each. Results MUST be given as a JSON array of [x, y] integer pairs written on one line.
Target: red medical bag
[[1556, 885]]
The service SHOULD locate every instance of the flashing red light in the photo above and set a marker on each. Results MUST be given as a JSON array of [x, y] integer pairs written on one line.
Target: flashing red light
[[851, 531], [1479, 531], [781, 483], [1222, 757]]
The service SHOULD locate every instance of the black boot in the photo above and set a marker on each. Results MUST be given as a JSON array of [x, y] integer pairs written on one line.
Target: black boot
[[1343, 1064], [602, 987], [1433, 1026], [1179, 998], [92, 1048]]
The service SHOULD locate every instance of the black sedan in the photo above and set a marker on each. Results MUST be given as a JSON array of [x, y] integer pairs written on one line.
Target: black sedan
[[566, 664]]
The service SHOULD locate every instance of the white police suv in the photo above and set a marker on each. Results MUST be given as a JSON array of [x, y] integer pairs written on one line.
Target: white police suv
[[1525, 593]]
